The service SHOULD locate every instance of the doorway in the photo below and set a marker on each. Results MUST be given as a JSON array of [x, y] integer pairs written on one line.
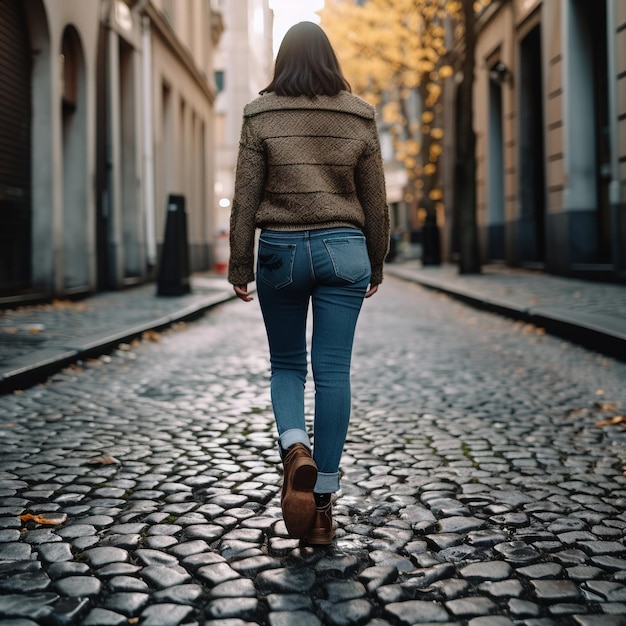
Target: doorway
[[532, 189], [495, 206], [15, 151]]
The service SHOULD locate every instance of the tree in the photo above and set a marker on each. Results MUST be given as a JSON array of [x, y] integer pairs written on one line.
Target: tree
[[394, 54], [465, 166]]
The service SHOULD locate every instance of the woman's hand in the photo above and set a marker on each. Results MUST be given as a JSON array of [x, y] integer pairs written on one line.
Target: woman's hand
[[371, 291], [242, 292]]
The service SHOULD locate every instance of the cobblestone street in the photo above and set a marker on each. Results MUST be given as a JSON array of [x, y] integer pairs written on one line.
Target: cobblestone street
[[482, 481]]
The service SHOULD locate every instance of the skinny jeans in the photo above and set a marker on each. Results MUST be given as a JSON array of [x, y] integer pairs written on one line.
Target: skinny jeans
[[329, 269]]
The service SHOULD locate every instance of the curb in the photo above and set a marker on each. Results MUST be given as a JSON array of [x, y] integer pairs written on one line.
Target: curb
[[580, 328], [45, 363]]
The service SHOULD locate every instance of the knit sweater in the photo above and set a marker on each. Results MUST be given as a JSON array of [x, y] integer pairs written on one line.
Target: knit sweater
[[308, 163]]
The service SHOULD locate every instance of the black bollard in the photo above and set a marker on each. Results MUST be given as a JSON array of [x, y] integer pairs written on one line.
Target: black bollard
[[173, 277]]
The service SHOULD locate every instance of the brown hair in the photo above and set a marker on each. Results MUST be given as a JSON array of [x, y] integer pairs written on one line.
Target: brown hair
[[306, 64]]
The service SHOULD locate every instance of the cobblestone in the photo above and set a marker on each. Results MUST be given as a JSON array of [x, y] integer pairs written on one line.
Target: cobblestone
[[476, 490]]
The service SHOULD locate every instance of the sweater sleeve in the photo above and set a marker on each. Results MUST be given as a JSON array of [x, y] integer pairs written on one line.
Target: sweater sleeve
[[249, 183], [372, 194]]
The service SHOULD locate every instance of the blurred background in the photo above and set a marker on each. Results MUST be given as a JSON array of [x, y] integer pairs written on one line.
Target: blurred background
[[503, 127]]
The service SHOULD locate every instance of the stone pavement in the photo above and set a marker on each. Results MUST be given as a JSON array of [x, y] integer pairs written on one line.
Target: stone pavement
[[482, 481], [590, 313], [36, 341]]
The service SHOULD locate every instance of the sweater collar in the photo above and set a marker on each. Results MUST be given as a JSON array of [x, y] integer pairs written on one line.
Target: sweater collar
[[344, 102]]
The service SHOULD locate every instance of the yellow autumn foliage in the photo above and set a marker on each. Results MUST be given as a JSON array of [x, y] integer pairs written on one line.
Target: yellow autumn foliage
[[394, 54]]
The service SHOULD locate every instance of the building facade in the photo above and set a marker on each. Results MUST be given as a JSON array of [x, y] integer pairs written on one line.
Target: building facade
[[110, 108], [550, 119], [243, 66]]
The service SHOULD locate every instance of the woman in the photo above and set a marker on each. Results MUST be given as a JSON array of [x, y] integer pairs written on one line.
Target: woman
[[310, 176]]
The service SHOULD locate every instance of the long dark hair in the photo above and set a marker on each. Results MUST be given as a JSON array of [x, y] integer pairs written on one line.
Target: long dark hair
[[306, 64]]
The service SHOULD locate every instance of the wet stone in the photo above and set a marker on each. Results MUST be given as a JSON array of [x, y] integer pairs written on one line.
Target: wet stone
[[222, 608], [77, 530], [127, 583], [105, 555], [345, 613], [25, 582], [165, 615], [488, 570], [155, 557], [207, 532], [605, 590], [450, 588], [517, 552], [613, 548], [491, 620], [67, 568], [161, 542], [376, 576], [162, 577], [54, 552], [555, 590], [289, 602], [344, 590], [104, 617], [229, 501], [181, 594], [255, 564], [187, 548], [217, 573], [237, 588], [287, 580], [129, 604], [502, 589], [164, 529], [406, 612], [33, 606], [468, 607], [540, 570], [460, 524], [9, 535], [339, 566], [78, 586], [117, 569]]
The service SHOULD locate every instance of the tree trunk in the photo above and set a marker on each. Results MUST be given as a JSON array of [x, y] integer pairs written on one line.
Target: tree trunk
[[465, 169]]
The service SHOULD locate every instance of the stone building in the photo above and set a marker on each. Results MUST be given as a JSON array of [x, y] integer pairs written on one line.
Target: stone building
[[108, 107], [550, 118], [243, 66]]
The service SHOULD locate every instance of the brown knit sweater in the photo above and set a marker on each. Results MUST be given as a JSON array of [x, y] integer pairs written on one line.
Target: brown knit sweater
[[308, 163]]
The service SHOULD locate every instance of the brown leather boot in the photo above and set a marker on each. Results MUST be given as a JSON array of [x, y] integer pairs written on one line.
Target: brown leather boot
[[323, 530], [297, 500]]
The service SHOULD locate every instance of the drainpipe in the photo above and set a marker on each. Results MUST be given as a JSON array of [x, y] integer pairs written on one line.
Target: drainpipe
[[148, 141], [614, 185]]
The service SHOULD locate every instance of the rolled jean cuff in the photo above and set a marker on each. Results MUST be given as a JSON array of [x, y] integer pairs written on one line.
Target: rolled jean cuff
[[293, 436], [327, 483]]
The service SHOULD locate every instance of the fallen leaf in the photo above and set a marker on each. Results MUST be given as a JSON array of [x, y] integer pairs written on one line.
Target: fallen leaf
[[607, 406], [133, 620], [52, 520], [599, 392], [151, 335], [10, 330], [617, 419], [105, 459]]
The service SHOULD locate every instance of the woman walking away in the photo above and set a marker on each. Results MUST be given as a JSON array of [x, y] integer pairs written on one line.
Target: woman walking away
[[310, 176]]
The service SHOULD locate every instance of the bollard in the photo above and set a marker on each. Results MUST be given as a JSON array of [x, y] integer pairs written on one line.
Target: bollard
[[173, 277]]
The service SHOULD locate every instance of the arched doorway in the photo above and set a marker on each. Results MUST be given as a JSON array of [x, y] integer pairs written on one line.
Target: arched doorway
[[15, 150], [74, 138]]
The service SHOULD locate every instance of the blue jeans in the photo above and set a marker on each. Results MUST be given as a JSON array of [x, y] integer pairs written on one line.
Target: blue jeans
[[329, 268]]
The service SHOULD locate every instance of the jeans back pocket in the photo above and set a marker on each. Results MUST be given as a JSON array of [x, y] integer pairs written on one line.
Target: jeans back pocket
[[349, 257], [275, 263]]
